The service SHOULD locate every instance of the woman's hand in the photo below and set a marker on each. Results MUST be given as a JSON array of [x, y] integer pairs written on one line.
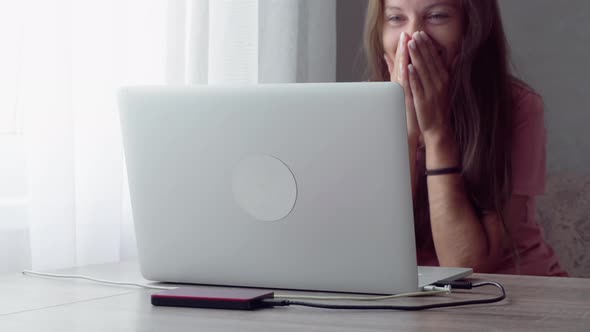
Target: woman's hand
[[429, 81], [398, 72]]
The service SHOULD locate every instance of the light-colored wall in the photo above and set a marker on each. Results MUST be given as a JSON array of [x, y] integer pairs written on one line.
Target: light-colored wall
[[551, 51]]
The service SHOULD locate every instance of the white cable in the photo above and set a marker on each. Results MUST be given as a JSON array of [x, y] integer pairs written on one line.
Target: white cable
[[109, 282], [433, 291]]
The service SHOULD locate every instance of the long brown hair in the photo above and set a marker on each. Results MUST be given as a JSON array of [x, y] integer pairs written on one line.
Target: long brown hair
[[481, 102]]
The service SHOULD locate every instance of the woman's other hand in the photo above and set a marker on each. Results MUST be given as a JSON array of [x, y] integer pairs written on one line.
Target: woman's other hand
[[429, 82], [398, 72]]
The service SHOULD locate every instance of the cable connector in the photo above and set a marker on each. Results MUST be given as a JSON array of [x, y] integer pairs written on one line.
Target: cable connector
[[457, 284], [269, 303], [432, 288]]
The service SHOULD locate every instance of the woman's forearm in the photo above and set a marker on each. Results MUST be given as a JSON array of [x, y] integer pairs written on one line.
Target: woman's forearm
[[460, 237]]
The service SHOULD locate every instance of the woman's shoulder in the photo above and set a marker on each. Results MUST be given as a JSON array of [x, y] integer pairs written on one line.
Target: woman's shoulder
[[527, 104]]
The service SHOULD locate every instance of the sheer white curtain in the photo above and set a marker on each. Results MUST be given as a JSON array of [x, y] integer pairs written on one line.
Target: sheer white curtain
[[252, 41], [63, 191]]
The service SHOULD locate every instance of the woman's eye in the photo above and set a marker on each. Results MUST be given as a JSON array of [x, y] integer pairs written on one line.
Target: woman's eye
[[438, 17], [395, 18]]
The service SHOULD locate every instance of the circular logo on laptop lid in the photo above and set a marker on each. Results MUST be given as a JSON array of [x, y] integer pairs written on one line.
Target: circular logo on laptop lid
[[264, 187]]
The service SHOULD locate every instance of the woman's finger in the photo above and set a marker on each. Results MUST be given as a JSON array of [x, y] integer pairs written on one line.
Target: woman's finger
[[416, 85], [420, 67], [410, 106], [439, 66], [402, 56], [423, 47], [405, 77]]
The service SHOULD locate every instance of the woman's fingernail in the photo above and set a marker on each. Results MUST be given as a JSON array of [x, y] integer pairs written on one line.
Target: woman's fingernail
[[412, 45], [411, 68], [423, 35], [416, 35]]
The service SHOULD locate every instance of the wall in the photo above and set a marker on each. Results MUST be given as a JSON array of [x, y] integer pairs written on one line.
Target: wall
[[350, 21]]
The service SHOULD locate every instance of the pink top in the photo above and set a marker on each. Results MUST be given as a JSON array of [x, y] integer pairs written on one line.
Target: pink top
[[536, 257]]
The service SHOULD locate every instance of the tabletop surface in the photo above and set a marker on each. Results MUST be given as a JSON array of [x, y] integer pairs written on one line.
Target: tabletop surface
[[29, 303]]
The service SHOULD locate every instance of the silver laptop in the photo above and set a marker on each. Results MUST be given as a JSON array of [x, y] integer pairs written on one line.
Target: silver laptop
[[289, 186]]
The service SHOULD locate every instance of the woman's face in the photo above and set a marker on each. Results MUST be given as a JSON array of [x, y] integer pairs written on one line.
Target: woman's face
[[442, 20]]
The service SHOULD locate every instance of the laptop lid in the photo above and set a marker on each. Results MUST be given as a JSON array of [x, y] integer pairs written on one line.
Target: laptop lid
[[293, 186]]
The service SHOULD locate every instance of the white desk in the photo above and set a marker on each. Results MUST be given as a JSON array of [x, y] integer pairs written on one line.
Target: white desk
[[43, 304]]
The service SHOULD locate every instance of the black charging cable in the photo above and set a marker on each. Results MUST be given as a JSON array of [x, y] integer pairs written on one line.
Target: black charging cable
[[455, 284]]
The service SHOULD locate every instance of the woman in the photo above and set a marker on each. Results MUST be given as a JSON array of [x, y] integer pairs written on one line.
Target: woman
[[476, 134]]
